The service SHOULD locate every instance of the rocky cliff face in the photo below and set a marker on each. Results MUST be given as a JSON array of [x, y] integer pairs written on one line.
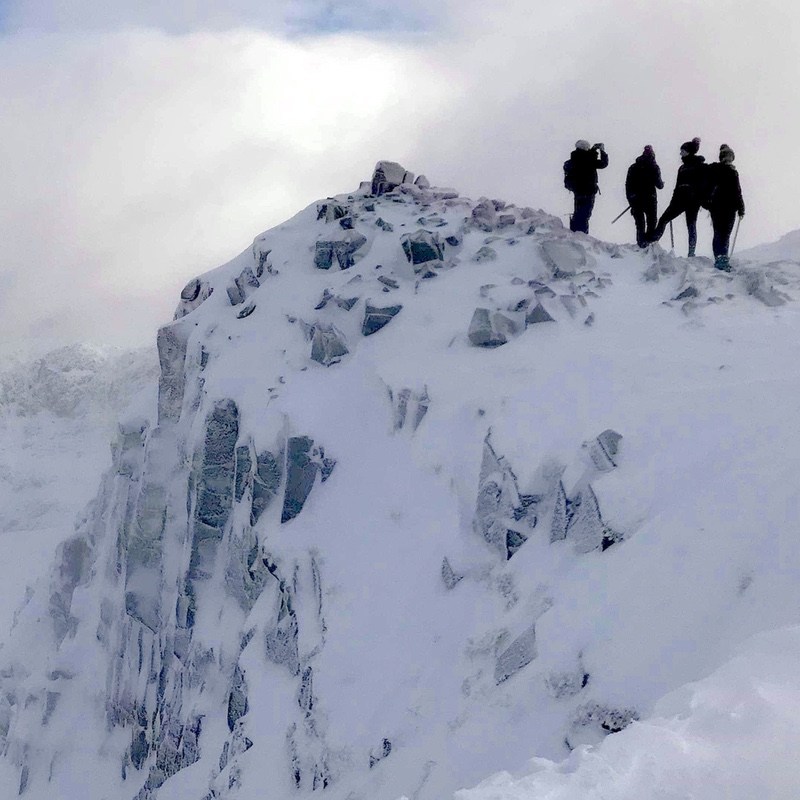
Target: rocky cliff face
[[376, 463]]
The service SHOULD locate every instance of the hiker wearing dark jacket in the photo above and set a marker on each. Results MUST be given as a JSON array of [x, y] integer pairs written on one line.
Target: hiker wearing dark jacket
[[724, 202], [688, 194], [641, 184], [580, 177]]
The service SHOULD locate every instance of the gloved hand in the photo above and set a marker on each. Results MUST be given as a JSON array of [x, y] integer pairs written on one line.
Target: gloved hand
[[599, 146], [741, 214]]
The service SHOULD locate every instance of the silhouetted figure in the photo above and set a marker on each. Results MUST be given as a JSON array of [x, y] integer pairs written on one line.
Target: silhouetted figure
[[580, 177], [688, 194], [641, 184], [724, 202]]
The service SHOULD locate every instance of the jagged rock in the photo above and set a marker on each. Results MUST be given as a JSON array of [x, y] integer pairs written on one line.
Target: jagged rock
[[376, 318], [280, 642], [424, 252], [517, 655], [247, 310], [454, 240], [756, 285], [449, 576], [383, 225], [244, 467], [567, 684], [305, 694], [237, 698], [242, 286], [589, 321], [266, 483], [73, 559], [494, 328], [564, 257], [485, 254], [606, 718], [572, 304], [327, 345], [506, 220], [409, 406], [172, 341], [340, 253], [388, 282], [503, 517], [688, 292], [558, 526], [422, 182], [585, 525], [388, 175], [603, 450], [215, 486], [386, 749], [193, 294], [331, 211], [484, 215], [538, 314], [303, 461]]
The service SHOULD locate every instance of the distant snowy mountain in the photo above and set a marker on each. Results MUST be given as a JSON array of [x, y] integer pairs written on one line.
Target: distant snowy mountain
[[58, 414], [786, 249], [431, 486]]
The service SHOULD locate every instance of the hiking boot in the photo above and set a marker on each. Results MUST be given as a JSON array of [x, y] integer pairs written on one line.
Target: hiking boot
[[691, 252], [722, 263]]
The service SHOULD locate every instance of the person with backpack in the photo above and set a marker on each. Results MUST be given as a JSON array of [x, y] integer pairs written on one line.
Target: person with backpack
[[580, 177], [689, 194], [641, 184], [724, 202]]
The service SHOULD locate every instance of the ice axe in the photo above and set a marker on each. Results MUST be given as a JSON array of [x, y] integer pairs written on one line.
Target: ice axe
[[617, 217], [671, 237], [735, 234]]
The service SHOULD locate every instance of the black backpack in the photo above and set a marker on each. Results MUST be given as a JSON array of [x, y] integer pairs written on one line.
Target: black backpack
[[568, 175]]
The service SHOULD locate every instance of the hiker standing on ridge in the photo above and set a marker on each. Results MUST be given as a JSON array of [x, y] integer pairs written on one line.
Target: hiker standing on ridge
[[724, 202], [580, 177], [688, 194], [641, 184]]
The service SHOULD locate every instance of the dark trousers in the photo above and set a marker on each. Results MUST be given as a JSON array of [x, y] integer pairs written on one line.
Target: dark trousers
[[584, 205], [677, 206], [722, 220], [644, 217]]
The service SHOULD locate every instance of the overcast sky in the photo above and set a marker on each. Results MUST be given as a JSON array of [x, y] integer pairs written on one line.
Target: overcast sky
[[144, 145]]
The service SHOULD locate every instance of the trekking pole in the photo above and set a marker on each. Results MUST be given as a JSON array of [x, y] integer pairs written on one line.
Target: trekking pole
[[671, 236], [736, 233], [617, 217]]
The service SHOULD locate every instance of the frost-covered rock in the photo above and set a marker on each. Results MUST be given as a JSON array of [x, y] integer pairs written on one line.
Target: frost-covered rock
[[388, 175], [376, 317]]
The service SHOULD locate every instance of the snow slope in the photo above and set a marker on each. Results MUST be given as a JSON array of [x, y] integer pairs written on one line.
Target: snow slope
[[380, 537]]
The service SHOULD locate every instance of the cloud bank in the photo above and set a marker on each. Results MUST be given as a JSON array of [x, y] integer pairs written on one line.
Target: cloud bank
[[144, 146]]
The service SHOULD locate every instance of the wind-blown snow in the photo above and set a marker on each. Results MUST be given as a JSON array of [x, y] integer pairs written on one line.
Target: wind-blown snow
[[428, 560]]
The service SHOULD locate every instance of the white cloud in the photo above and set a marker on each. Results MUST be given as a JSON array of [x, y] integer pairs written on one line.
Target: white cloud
[[133, 160]]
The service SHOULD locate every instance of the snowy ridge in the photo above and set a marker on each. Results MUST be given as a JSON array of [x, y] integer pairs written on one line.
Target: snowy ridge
[[433, 485]]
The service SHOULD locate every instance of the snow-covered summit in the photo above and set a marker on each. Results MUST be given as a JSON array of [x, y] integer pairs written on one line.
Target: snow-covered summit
[[433, 485]]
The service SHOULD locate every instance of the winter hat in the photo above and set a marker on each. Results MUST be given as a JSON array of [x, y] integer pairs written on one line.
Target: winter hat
[[582, 144], [648, 151], [691, 148], [725, 152]]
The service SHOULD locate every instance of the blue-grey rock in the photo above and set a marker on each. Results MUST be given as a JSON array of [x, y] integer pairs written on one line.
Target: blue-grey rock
[[237, 698], [449, 576], [603, 450], [565, 257], [331, 211], [585, 528], [485, 253], [376, 318], [191, 290], [494, 328], [302, 465], [266, 483], [339, 253], [328, 345], [384, 225], [516, 656], [538, 314], [424, 251], [390, 283], [389, 175], [244, 468], [172, 342], [484, 215], [558, 526], [243, 286]]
